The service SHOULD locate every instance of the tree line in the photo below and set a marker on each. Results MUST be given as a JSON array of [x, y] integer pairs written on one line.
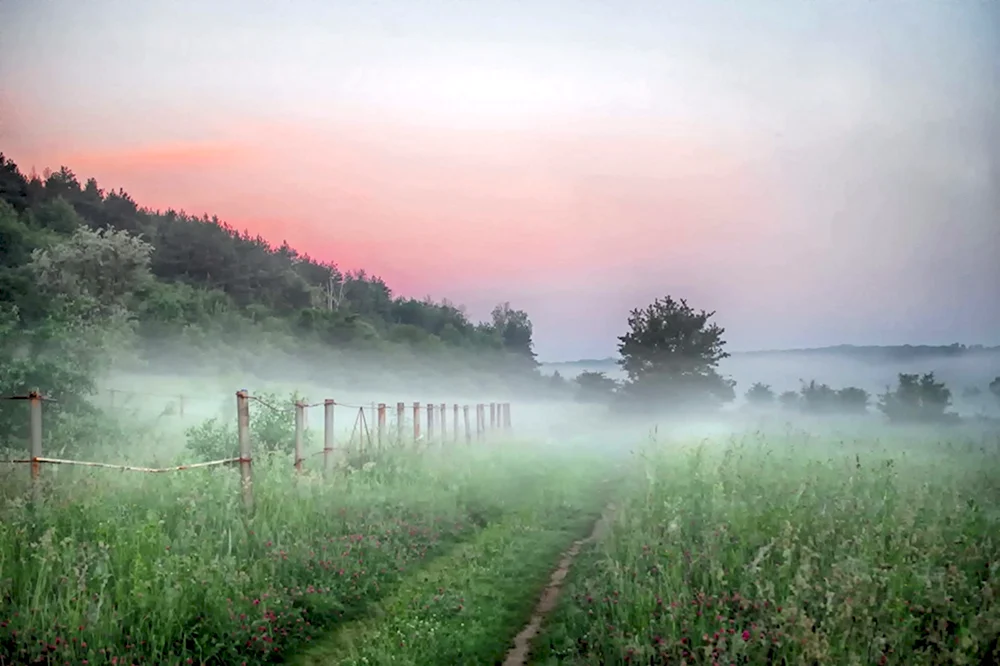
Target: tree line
[[199, 276], [670, 357], [88, 277]]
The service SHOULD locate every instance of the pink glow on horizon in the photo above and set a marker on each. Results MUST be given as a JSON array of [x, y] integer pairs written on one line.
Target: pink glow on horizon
[[420, 206]]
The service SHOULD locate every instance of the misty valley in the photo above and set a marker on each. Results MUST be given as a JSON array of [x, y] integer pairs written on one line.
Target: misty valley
[[436, 333], [218, 451]]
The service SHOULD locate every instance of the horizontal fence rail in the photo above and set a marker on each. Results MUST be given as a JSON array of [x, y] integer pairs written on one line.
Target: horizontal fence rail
[[128, 468], [370, 428]]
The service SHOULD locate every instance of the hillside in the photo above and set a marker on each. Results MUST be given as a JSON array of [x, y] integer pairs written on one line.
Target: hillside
[[216, 284]]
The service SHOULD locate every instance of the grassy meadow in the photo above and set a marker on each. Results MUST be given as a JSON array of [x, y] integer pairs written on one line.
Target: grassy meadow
[[162, 569], [793, 548], [780, 546]]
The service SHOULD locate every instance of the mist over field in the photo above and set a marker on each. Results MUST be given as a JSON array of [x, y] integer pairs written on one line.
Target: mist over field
[[869, 368], [420, 333]]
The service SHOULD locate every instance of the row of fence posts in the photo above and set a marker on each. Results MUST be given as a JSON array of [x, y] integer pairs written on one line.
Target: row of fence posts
[[499, 418]]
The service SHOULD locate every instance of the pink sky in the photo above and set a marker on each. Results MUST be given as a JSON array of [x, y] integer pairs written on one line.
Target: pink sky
[[578, 167]]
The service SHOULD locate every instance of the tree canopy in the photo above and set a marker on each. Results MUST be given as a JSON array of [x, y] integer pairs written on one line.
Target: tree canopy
[[917, 398], [670, 355], [198, 278]]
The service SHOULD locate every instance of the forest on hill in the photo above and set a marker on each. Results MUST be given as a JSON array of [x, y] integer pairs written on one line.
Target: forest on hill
[[195, 287]]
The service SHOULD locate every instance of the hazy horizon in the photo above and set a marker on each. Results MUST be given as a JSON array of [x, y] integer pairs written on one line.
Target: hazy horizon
[[838, 348], [816, 173]]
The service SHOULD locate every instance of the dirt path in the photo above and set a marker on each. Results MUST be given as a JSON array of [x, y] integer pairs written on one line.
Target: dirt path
[[518, 655]]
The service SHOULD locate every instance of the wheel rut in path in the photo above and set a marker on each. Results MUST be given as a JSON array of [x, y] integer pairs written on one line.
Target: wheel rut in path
[[518, 655]]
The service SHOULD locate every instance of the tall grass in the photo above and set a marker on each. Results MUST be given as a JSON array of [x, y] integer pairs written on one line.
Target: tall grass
[[129, 568], [792, 549]]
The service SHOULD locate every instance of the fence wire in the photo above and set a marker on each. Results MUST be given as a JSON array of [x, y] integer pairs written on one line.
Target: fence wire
[[362, 430], [128, 468]]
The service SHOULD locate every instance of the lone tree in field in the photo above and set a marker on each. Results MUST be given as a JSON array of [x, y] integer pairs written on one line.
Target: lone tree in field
[[670, 354], [995, 387]]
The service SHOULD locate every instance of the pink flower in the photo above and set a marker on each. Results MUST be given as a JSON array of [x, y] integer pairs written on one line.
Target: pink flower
[[746, 635]]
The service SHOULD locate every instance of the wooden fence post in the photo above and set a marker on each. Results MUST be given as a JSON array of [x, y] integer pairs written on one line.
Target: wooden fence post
[[430, 423], [328, 408], [454, 424], [400, 418], [416, 421], [444, 422], [493, 416], [480, 420], [243, 427], [35, 415], [380, 425], [300, 430], [180, 406], [506, 416], [468, 430]]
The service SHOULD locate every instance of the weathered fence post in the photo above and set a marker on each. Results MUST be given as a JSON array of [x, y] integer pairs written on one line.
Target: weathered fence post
[[493, 416], [243, 427], [506, 416], [430, 423], [468, 430], [454, 424], [180, 406], [400, 418], [328, 409], [380, 425], [480, 420], [35, 407], [416, 422], [300, 430], [444, 422]]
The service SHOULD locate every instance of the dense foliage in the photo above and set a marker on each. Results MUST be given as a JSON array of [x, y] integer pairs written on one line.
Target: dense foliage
[[212, 278], [671, 353], [87, 275], [917, 398]]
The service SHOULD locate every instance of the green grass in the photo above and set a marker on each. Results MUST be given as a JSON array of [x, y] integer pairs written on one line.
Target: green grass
[[467, 606], [788, 549], [130, 568], [783, 547]]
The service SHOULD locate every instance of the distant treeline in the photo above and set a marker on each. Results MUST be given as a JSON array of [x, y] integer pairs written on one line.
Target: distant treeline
[[888, 352], [863, 352]]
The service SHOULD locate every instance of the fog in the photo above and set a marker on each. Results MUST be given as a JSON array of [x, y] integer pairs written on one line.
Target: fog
[[152, 392], [872, 369]]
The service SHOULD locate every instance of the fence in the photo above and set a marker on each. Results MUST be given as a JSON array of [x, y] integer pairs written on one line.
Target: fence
[[436, 422]]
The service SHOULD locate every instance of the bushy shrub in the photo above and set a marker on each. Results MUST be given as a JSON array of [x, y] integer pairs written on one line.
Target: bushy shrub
[[917, 399], [272, 430], [853, 400], [760, 395], [595, 387], [789, 400]]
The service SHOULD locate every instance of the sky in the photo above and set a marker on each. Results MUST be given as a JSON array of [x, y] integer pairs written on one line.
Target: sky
[[817, 172]]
